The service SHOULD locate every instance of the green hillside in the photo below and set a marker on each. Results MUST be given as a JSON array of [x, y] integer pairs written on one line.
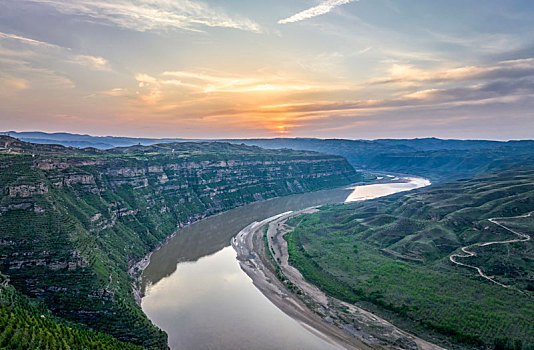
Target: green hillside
[[434, 159], [27, 324], [75, 222], [392, 256]]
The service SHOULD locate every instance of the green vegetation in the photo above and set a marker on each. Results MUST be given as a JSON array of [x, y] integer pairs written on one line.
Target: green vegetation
[[435, 159], [275, 263], [391, 255], [431, 158], [27, 324], [74, 222]]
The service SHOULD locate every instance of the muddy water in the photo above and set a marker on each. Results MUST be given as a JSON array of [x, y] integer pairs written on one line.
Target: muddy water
[[197, 293]]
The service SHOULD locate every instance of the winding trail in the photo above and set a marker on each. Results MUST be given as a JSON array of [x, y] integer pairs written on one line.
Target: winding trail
[[523, 237]]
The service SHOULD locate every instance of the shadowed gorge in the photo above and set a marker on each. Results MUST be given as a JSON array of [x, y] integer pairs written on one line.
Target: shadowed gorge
[[76, 221]]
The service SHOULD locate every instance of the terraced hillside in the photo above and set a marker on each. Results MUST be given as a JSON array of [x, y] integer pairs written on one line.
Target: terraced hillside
[[392, 256], [74, 222]]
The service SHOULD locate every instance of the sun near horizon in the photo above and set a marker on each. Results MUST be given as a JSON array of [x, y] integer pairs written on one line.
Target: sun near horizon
[[203, 69]]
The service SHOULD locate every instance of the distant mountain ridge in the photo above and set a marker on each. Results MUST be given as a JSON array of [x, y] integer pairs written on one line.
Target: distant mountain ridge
[[436, 159], [82, 141], [105, 142]]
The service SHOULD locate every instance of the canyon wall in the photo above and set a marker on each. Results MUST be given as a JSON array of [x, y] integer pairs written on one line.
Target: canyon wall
[[74, 222]]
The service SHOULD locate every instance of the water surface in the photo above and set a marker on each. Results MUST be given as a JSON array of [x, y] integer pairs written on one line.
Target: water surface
[[197, 293], [365, 192], [212, 304]]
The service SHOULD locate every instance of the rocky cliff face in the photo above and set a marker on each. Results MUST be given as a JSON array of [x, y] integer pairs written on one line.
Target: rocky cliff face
[[75, 221]]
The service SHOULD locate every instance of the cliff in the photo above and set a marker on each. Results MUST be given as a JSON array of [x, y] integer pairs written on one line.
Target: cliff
[[75, 221]]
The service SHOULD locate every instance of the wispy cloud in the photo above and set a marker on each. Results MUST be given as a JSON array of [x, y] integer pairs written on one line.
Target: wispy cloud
[[478, 94], [21, 75], [93, 62], [26, 64], [116, 92], [10, 85], [144, 15], [492, 43], [410, 75], [284, 104], [27, 40], [321, 9], [47, 49], [213, 83]]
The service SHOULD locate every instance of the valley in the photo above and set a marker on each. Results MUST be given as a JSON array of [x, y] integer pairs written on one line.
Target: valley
[[75, 221], [398, 257], [266, 175], [97, 239]]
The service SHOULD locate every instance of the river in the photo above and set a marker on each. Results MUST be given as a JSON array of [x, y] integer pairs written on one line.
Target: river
[[196, 291]]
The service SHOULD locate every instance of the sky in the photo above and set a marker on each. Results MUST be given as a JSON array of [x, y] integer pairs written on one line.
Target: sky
[[351, 69]]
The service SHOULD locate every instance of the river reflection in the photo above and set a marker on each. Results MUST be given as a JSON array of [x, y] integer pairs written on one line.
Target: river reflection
[[197, 293], [365, 192], [214, 233], [212, 304]]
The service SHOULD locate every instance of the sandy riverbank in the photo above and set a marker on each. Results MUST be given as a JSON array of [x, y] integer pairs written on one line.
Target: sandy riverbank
[[340, 323], [137, 266]]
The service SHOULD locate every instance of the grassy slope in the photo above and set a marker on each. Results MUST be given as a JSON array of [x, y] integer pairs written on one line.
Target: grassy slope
[[392, 254], [27, 324], [72, 245]]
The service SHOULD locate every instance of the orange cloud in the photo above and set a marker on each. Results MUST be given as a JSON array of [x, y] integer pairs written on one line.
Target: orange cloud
[[408, 74], [15, 84]]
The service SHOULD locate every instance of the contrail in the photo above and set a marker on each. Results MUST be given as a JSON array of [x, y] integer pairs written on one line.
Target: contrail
[[318, 10]]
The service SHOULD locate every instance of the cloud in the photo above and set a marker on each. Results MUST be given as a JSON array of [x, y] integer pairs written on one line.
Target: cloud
[[11, 85], [282, 104], [116, 92], [498, 91], [150, 89], [492, 43], [408, 74], [29, 64], [20, 75], [51, 50], [212, 83], [321, 9], [421, 94], [145, 15], [93, 62], [28, 41]]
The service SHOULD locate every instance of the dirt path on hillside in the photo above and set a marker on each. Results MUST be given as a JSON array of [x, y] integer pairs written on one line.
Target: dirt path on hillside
[[523, 237]]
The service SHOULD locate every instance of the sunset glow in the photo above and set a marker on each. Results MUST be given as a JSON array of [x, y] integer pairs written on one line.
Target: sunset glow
[[351, 69]]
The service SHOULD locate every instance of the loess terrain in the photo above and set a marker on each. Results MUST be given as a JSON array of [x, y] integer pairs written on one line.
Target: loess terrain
[[392, 256]]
